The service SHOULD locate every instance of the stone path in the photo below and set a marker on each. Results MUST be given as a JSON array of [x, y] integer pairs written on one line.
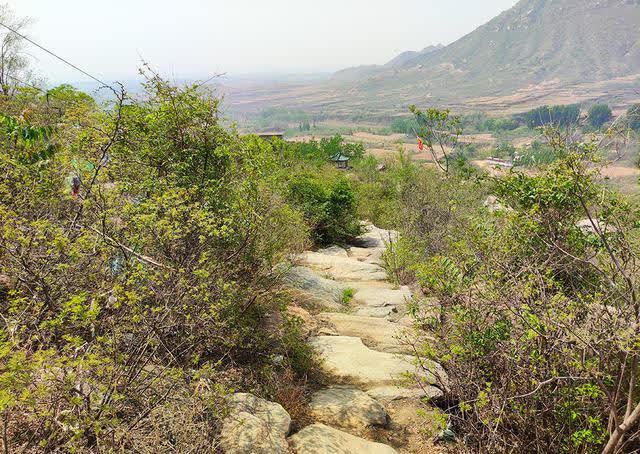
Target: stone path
[[367, 406], [363, 354]]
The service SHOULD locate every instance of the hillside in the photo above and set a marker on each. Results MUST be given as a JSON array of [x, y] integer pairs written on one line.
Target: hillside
[[366, 71], [539, 51], [538, 40]]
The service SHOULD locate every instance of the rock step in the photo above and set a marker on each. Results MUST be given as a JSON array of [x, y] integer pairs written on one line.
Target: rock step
[[387, 312], [254, 426], [342, 268], [386, 394], [369, 296], [350, 361], [347, 407], [322, 439], [380, 334], [374, 237], [312, 290]]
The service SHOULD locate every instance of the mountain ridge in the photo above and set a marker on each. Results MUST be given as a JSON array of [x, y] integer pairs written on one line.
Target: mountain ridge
[[534, 42], [538, 51]]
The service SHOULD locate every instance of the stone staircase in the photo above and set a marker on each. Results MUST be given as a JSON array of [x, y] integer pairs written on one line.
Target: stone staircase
[[371, 403]]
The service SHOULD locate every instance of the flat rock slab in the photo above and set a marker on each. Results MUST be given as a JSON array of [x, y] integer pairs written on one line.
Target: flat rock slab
[[376, 297], [349, 360], [369, 255], [342, 268], [375, 237], [386, 394], [254, 426], [377, 312], [321, 439], [314, 291], [347, 407], [379, 333], [334, 251]]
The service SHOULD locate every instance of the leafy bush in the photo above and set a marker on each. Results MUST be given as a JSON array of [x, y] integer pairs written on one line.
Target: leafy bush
[[481, 122], [329, 207], [526, 298], [537, 154], [599, 114], [137, 269], [322, 151]]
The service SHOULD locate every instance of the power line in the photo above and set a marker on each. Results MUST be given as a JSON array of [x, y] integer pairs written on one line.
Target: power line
[[28, 84], [55, 55]]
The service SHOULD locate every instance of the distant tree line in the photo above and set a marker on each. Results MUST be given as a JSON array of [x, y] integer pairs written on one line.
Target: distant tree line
[[561, 116]]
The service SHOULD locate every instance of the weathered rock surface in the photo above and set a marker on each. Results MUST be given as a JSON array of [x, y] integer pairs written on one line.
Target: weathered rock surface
[[369, 255], [308, 322], [378, 312], [254, 426], [349, 360], [347, 407], [342, 268], [378, 333], [321, 439], [385, 394], [375, 237], [376, 297], [315, 292], [334, 251], [363, 355]]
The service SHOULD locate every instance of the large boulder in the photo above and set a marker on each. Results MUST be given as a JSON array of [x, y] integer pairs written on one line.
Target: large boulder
[[342, 268], [312, 290], [254, 426], [378, 333], [347, 407], [350, 361], [321, 439]]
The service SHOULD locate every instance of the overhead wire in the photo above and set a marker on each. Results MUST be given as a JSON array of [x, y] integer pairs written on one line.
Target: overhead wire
[[53, 54]]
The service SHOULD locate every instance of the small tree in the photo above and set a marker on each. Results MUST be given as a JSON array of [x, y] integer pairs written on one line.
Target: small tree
[[599, 114], [439, 130], [14, 64]]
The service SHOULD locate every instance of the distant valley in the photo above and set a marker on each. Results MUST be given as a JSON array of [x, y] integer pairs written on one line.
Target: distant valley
[[538, 52]]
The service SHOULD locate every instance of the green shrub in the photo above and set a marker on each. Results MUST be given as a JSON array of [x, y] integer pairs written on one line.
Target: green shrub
[[599, 114], [405, 125], [347, 295], [136, 268], [537, 154], [524, 296], [633, 117], [329, 207]]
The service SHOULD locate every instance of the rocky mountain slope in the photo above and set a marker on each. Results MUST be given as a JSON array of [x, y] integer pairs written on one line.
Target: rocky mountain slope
[[539, 51], [536, 41]]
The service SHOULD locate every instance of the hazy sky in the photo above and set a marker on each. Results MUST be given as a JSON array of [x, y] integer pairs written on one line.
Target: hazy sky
[[193, 38]]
